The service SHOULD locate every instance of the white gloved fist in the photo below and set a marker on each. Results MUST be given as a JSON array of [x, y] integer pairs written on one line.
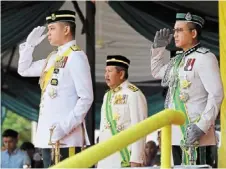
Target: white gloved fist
[[36, 37]]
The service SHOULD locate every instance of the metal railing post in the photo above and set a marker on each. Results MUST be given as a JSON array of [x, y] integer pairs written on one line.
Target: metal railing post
[[166, 146]]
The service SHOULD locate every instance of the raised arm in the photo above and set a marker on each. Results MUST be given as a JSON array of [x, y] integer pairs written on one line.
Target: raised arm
[[26, 66], [161, 40]]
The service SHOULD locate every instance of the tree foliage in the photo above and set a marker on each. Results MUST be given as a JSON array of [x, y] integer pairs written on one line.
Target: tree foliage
[[18, 123]]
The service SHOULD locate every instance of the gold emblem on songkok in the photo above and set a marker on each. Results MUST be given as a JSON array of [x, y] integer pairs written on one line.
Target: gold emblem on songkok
[[53, 16]]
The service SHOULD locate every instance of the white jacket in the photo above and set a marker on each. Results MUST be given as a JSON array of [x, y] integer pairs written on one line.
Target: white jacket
[[74, 95]]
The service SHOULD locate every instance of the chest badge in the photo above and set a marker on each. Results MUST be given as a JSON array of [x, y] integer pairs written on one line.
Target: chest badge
[[116, 116], [120, 99], [185, 84], [52, 93], [189, 65]]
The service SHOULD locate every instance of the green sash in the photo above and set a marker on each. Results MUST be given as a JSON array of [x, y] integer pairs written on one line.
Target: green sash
[[125, 155], [179, 105]]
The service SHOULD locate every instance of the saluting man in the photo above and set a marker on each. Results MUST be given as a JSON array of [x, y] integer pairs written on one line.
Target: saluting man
[[194, 81], [124, 105], [65, 82]]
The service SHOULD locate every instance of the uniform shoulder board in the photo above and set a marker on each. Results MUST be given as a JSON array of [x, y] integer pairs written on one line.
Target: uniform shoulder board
[[132, 87], [203, 50], [75, 48]]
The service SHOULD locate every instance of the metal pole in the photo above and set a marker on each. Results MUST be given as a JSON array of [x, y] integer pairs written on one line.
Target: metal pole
[[90, 51], [166, 146]]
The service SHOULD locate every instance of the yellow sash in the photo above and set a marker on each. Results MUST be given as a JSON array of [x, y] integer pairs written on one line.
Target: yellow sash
[[47, 75]]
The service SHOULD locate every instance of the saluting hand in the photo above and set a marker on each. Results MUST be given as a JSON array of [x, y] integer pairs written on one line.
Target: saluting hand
[[36, 36], [162, 38]]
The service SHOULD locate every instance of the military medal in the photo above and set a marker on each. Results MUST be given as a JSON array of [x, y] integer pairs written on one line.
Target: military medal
[[118, 99], [184, 97], [120, 127], [52, 93], [56, 71], [124, 98], [107, 125], [116, 116], [185, 84], [54, 82], [64, 61], [189, 64]]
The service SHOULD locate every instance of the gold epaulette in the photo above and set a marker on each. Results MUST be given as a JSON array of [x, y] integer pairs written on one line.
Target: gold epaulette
[[75, 48], [132, 87]]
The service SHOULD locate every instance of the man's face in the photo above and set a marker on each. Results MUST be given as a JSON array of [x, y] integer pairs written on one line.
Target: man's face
[[56, 33], [183, 35], [112, 76], [10, 143]]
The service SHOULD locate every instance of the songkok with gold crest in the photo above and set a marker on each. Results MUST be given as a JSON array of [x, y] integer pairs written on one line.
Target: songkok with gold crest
[[61, 16], [188, 17], [117, 60]]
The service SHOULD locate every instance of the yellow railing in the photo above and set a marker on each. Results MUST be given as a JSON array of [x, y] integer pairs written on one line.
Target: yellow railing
[[92, 155], [222, 36]]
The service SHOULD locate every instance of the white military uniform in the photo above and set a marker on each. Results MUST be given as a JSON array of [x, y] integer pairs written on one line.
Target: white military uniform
[[129, 107], [205, 93], [74, 95]]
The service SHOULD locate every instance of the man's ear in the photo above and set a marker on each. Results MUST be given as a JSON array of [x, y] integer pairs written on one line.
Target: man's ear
[[194, 33], [122, 75], [67, 29]]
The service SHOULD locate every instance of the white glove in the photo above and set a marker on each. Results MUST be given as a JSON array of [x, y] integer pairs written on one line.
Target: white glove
[[36, 37], [58, 133]]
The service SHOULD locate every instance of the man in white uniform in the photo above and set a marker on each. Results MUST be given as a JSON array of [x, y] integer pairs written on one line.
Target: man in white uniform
[[194, 82], [123, 106], [66, 85]]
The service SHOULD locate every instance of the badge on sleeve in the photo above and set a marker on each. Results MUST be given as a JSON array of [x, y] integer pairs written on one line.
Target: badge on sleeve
[[189, 65]]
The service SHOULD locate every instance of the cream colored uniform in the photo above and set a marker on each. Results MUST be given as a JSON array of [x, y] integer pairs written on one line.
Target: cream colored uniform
[[127, 112], [73, 100], [205, 91]]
